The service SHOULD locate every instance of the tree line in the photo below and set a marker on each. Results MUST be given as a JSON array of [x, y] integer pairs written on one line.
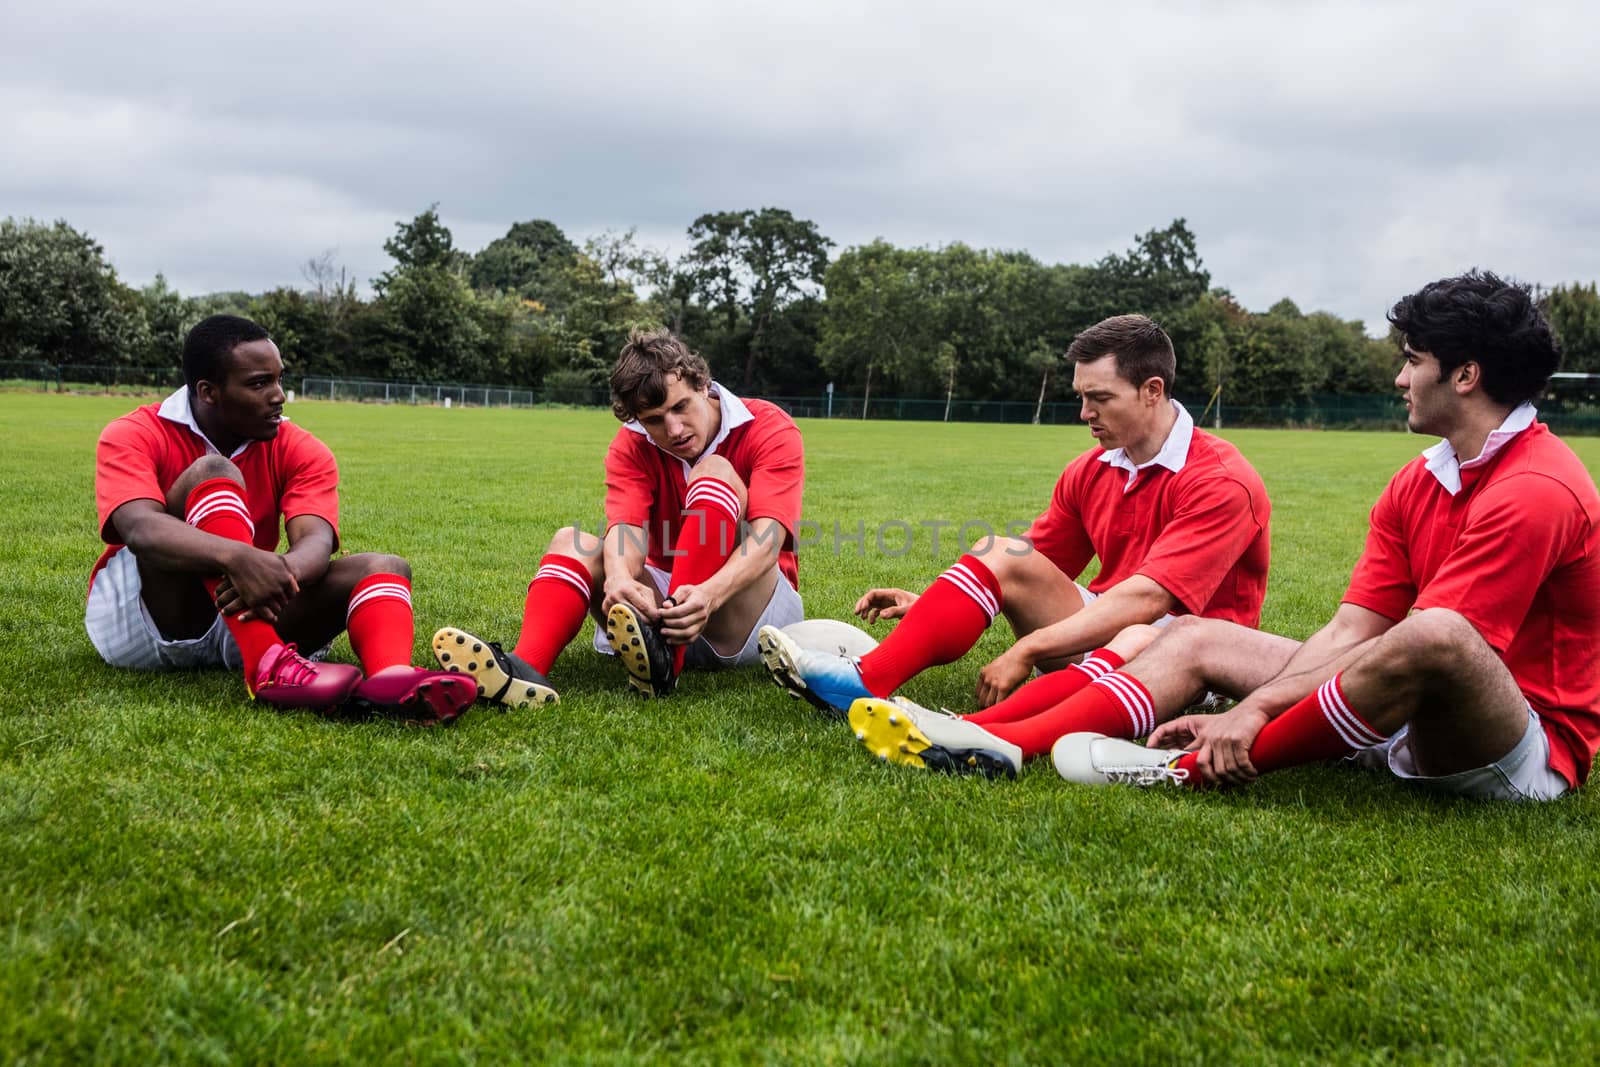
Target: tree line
[[757, 292]]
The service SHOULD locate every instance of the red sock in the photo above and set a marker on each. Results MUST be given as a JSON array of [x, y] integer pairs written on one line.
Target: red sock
[[941, 626], [216, 506], [1048, 690], [552, 614], [1116, 704], [708, 536], [380, 621], [1321, 726]]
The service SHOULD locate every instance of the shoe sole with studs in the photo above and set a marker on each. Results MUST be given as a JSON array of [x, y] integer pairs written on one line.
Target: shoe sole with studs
[[461, 653], [624, 635], [777, 653], [889, 734]]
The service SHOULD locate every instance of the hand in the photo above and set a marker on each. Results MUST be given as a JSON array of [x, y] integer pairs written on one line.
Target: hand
[[256, 585], [885, 604], [686, 614], [1221, 742], [1000, 676], [625, 589]]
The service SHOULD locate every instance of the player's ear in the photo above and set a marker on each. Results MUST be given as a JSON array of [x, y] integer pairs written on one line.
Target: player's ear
[[1466, 376]]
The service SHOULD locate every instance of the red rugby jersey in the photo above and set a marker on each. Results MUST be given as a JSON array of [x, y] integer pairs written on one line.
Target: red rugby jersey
[[1516, 552], [1201, 533], [143, 452], [645, 485]]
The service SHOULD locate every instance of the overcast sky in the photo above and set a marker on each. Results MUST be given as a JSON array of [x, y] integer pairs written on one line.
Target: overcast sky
[[1339, 154]]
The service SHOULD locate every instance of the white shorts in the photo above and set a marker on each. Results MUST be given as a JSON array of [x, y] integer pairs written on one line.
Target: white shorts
[[1522, 774], [783, 608], [122, 631]]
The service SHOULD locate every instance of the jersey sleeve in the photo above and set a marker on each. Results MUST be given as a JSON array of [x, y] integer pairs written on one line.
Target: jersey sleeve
[[124, 470], [1059, 532], [777, 478], [1213, 526], [1383, 581], [310, 482], [628, 484], [1521, 529]]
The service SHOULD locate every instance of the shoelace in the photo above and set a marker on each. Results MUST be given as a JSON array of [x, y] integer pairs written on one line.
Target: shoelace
[[297, 671], [1146, 776]]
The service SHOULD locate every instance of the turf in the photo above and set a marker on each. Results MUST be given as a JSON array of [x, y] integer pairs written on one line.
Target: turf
[[724, 876]]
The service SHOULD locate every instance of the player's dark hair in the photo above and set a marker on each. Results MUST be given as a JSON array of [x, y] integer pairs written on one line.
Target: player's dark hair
[[210, 343], [1477, 317], [1142, 349], [647, 360]]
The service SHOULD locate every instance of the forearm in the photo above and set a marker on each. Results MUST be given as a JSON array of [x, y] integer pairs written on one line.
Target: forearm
[[1319, 658], [1131, 603], [170, 544], [623, 555]]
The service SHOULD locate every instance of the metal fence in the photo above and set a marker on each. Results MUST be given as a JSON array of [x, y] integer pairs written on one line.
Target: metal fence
[[1342, 412], [86, 379], [1571, 407]]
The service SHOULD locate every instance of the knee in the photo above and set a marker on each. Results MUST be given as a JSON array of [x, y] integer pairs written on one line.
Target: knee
[[204, 469], [1431, 638], [214, 466], [1132, 640], [571, 541], [721, 470], [363, 564], [1002, 555], [1188, 635]]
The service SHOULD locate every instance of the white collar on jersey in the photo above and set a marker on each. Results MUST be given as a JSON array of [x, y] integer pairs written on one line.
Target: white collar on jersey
[[1444, 465], [734, 415], [175, 408], [1174, 450]]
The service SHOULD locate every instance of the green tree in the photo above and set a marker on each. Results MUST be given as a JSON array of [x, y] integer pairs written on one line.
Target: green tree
[[61, 302], [425, 322], [528, 261], [1574, 312], [874, 317], [750, 267], [169, 317]]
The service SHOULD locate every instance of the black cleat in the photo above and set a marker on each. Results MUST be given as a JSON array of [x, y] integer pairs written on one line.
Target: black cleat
[[644, 652], [503, 677]]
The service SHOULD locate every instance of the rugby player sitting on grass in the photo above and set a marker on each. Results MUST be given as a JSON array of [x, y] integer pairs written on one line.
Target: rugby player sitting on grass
[[1178, 519], [1466, 653], [190, 492], [702, 502]]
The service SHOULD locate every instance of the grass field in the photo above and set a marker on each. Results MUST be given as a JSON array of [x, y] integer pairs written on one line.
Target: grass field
[[723, 876]]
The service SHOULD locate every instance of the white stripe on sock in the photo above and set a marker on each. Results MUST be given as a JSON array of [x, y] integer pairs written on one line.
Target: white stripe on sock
[[378, 591], [566, 574], [963, 579], [216, 504], [708, 492], [1141, 712], [1346, 723]]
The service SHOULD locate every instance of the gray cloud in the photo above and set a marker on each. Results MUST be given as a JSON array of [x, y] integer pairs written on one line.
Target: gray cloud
[[1335, 153]]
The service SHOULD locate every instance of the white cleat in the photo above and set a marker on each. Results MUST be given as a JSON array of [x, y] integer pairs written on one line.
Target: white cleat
[[898, 731], [1095, 759]]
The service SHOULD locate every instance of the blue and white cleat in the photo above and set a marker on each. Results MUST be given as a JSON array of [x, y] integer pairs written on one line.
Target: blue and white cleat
[[828, 682], [898, 731]]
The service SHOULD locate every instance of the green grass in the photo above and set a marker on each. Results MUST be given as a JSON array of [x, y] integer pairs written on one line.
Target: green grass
[[723, 876]]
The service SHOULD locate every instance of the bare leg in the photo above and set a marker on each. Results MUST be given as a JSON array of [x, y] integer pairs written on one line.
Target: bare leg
[[1193, 655], [1033, 591], [1436, 672], [317, 615]]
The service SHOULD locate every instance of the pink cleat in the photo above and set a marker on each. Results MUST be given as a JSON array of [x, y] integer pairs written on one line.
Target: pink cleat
[[286, 679], [418, 695]]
